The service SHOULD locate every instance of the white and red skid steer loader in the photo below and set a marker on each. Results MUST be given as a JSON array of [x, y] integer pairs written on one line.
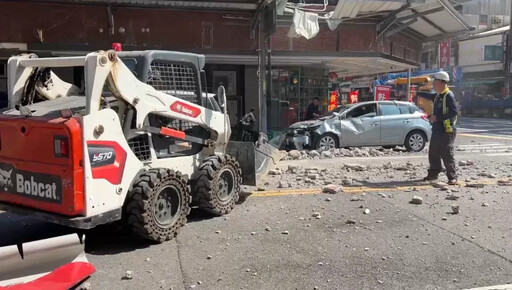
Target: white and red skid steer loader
[[140, 140]]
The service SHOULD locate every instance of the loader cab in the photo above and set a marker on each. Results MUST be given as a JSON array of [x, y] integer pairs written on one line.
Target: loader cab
[[174, 73]]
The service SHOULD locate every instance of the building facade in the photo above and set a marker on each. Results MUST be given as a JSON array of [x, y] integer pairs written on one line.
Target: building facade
[[225, 33]]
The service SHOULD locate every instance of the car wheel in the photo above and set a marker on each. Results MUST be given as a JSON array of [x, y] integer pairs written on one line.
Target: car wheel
[[327, 142], [415, 141]]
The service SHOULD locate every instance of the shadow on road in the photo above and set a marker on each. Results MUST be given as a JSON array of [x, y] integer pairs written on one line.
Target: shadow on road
[[112, 240], [109, 239], [197, 215]]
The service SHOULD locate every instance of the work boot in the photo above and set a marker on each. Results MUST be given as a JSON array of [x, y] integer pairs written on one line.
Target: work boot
[[453, 182], [430, 178]]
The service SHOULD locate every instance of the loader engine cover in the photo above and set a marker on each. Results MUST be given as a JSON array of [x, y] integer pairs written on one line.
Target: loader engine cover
[[41, 164], [44, 187]]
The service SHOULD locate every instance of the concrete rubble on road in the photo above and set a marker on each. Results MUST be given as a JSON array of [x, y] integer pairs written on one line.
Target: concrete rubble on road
[[340, 152]]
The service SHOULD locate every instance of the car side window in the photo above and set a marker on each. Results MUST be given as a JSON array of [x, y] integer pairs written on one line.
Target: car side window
[[404, 109], [369, 110], [415, 109], [389, 110]]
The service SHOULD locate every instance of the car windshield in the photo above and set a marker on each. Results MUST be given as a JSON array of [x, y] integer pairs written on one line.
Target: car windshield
[[337, 110]]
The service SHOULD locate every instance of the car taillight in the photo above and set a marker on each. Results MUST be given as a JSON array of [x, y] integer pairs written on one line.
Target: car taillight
[[61, 146]]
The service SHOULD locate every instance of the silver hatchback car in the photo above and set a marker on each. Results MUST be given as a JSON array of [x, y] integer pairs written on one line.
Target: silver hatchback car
[[375, 123]]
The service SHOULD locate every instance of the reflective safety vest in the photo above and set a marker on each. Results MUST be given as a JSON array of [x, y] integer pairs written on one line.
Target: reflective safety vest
[[447, 123]]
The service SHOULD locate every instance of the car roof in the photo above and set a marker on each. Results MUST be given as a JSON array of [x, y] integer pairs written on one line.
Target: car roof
[[384, 102]]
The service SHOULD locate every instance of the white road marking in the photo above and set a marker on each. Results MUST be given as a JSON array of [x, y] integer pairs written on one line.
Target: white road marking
[[495, 287]]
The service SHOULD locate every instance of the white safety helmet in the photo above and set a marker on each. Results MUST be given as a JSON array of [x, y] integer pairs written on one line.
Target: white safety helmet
[[443, 76]]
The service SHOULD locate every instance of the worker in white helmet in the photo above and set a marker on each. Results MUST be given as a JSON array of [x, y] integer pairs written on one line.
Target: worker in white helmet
[[443, 119]]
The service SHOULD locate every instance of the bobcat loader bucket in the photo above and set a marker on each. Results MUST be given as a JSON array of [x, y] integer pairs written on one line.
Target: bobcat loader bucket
[[255, 159], [52, 263]]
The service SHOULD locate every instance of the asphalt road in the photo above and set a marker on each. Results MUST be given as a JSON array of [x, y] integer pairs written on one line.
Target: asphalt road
[[396, 246]]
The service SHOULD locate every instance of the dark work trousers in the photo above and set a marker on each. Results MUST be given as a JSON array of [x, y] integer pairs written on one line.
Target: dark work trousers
[[441, 147]]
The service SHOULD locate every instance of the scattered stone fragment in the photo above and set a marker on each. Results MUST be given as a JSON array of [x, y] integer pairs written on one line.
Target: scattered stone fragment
[[147, 259], [217, 232], [293, 168], [416, 200], [320, 264], [192, 286], [261, 188], [475, 185], [314, 154], [366, 249], [355, 167], [505, 182], [379, 221], [128, 275], [452, 197], [485, 204], [328, 199], [316, 214], [283, 184], [295, 155], [209, 257], [313, 176], [285, 232], [347, 182], [351, 222], [326, 154], [463, 163], [268, 229], [444, 218], [253, 233], [455, 209], [367, 211], [85, 286], [332, 189], [274, 172], [383, 195]]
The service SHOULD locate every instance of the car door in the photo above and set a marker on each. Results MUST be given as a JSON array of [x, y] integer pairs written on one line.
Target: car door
[[361, 125], [394, 124]]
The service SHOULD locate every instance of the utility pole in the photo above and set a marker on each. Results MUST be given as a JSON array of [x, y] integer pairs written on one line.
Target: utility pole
[[508, 56]]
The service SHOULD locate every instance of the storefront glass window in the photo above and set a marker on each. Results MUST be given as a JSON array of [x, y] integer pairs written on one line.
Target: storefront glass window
[[293, 89]]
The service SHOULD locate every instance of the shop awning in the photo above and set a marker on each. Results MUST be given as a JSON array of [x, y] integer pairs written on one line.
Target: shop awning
[[343, 63], [239, 5], [425, 20]]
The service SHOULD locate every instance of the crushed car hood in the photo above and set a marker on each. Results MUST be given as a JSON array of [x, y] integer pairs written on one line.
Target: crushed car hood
[[311, 123]]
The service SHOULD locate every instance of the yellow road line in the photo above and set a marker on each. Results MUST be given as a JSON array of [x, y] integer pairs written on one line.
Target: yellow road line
[[485, 136], [352, 190]]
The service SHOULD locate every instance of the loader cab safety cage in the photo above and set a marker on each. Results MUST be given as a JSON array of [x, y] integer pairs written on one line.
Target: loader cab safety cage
[[168, 71]]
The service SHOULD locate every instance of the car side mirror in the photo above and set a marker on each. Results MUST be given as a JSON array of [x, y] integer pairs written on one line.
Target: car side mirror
[[221, 98]]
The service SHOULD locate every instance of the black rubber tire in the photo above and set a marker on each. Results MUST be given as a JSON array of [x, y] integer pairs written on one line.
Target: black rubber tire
[[408, 146], [141, 202], [205, 185], [334, 137]]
